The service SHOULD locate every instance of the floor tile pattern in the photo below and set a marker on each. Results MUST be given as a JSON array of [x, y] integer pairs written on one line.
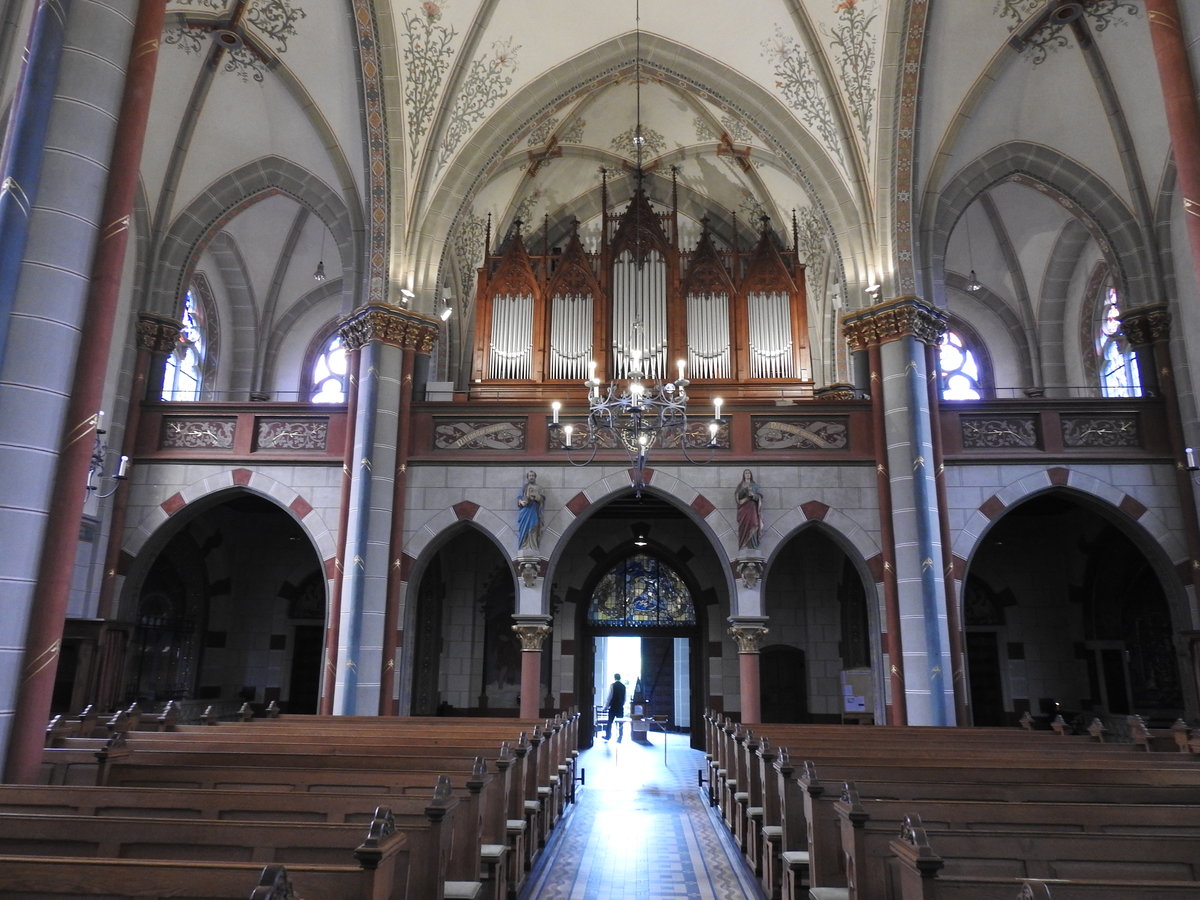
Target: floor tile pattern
[[641, 828]]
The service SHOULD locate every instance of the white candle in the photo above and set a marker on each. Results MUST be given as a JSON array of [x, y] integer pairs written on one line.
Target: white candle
[[1191, 459], [123, 467], [567, 429], [591, 370], [100, 421], [679, 364], [555, 407], [717, 401]]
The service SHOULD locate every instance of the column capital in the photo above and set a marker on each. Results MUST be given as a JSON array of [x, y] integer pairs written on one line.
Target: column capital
[[390, 325], [1145, 325], [531, 631], [158, 334], [892, 320], [748, 632]]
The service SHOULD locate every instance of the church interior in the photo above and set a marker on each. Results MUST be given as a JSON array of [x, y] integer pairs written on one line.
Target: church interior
[[443, 359]]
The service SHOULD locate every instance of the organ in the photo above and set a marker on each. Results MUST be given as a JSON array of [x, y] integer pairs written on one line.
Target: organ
[[641, 303]]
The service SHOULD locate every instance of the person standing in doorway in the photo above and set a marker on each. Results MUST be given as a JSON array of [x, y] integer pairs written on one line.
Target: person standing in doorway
[[616, 708]]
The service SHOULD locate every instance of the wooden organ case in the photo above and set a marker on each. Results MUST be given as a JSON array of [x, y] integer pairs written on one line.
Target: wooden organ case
[[737, 317]]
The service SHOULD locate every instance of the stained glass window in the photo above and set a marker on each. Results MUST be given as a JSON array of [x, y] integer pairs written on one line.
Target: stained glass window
[[330, 372], [958, 369], [1118, 368], [182, 379], [641, 592]]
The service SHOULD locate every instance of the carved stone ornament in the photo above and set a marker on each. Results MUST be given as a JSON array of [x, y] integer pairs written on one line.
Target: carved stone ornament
[[181, 433], [995, 432], [795, 433], [389, 325], [1100, 431], [750, 571], [748, 636], [531, 636], [158, 334], [479, 434], [892, 320], [530, 571], [289, 434], [1146, 325]]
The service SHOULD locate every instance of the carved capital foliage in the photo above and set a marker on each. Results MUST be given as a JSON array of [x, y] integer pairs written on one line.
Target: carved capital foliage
[[531, 636], [1147, 325], [892, 320], [389, 325], [747, 635], [156, 333]]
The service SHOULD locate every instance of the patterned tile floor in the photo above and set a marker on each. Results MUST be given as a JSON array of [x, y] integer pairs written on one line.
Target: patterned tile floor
[[641, 828]]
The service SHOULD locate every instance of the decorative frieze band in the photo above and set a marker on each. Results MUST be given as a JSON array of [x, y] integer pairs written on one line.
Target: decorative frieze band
[[484, 434], [892, 320], [1101, 431], [796, 433], [292, 434], [179, 433], [158, 334], [999, 432], [389, 325]]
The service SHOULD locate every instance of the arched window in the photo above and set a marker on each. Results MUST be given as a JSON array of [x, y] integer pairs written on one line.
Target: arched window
[[1117, 362], [183, 379], [329, 374], [959, 372], [641, 592]]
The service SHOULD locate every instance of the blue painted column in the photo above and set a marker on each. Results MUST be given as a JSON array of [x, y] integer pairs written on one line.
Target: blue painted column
[[21, 158], [898, 332], [381, 335], [43, 326]]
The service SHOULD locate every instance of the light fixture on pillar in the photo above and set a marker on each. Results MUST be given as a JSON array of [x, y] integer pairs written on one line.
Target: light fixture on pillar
[[95, 475], [408, 296], [632, 414], [319, 274], [873, 291], [973, 283], [447, 309]]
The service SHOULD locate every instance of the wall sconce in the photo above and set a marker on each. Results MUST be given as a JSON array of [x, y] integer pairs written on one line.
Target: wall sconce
[[447, 309], [407, 295], [873, 291], [95, 475]]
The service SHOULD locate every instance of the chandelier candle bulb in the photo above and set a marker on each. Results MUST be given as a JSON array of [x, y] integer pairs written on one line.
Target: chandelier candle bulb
[[567, 429], [1190, 454], [717, 403], [123, 468], [679, 364], [554, 408]]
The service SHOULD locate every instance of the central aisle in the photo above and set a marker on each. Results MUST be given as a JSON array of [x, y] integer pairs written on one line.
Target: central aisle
[[641, 828]]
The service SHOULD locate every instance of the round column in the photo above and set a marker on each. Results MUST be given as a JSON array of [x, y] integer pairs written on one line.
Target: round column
[[748, 633], [532, 632], [381, 335], [896, 333]]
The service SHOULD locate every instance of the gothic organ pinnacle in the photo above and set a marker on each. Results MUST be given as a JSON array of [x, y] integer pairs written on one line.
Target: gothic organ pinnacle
[[640, 302]]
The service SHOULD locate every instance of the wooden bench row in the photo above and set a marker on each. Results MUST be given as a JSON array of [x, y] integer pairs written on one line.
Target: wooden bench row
[[789, 827], [291, 789]]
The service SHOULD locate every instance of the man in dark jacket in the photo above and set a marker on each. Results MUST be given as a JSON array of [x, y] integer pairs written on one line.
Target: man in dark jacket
[[616, 708]]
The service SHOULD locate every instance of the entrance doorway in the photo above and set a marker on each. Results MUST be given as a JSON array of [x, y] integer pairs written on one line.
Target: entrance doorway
[[656, 671]]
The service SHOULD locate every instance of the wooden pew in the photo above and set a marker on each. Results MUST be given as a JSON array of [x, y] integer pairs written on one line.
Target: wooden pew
[[869, 826], [956, 864], [35, 878]]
